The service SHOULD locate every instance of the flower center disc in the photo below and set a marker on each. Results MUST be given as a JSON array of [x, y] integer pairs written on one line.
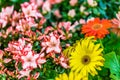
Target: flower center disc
[[29, 60], [97, 26], [86, 59], [53, 44]]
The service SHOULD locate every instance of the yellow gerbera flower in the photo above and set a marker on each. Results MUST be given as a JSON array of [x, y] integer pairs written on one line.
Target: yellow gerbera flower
[[87, 57], [67, 51], [72, 76]]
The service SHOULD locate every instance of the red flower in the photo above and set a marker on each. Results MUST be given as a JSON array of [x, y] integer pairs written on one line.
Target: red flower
[[96, 27]]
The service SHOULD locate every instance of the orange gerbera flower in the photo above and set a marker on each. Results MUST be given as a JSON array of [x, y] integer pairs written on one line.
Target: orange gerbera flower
[[96, 27]]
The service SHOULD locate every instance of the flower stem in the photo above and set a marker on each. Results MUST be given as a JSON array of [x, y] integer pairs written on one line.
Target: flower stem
[[101, 43]]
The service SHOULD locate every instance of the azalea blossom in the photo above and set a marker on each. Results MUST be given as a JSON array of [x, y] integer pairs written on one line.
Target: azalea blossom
[[23, 73], [7, 11], [116, 21], [3, 22], [82, 8], [7, 60], [36, 75], [41, 60], [63, 61], [29, 60], [92, 3], [68, 26], [37, 2], [71, 13], [25, 25], [15, 18], [1, 57], [30, 10], [65, 25], [73, 2], [82, 21], [4, 34], [5, 15], [46, 7], [57, 14], [55, 1], [116, 25], [41, 22], [64, 29], [51, 43], [18, 48]]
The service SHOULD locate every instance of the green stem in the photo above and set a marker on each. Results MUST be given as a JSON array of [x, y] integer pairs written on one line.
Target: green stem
[[101, 43]]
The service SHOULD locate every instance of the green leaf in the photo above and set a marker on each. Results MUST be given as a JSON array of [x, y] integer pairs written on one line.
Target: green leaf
[[112, 62], [102, 12], [95, 11], [2, 76], [114, 77], [14, 0], [102, 5]]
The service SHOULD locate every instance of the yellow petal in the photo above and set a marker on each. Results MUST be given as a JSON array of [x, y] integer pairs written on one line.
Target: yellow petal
[[71, 76]]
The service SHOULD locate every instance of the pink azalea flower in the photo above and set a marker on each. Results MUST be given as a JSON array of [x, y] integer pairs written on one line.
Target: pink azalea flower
[[72, 28], [26, 24], [63, 61], [22, 25], [116, 25], [73, 2], [46, 7], [1, 57], [82, 21], [92, 3], [71, 13], [116, 21], [15, 17], [42, 21], [7, 11], [30, 10], [24, 73], [29, 60], [37, 2], [36, 76], [19, 48], [41, 60], [3, 22], [1, 54], [5, 15], [68, 26], [66, 34], [55, 1], [7, 60], [48, 29], [82, 8], [57, 14], [51, 43], [4, 34], [16, 45]]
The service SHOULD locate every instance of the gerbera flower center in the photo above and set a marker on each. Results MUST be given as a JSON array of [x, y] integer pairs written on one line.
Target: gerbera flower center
[[97, 26], [86, 59]]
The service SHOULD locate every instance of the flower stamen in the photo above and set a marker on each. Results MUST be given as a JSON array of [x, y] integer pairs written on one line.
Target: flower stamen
[[86, 59], [97, 26]]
